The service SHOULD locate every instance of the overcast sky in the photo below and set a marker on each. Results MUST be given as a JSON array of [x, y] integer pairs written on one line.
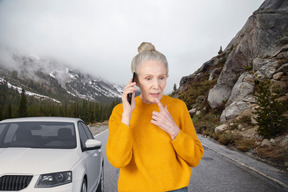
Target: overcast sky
[[101, 36]]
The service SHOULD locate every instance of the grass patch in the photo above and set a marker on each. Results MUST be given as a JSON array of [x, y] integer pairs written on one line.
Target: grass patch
[[245, 144], [229, 139], [205, 124], [277, 155]]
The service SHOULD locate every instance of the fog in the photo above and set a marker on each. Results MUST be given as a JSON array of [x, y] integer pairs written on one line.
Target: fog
[[101, 37]]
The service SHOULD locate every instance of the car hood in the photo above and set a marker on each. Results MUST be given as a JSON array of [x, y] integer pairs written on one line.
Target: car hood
[[36, 161]]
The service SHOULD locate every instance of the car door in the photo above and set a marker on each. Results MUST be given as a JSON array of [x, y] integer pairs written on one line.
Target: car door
[[92, 158]]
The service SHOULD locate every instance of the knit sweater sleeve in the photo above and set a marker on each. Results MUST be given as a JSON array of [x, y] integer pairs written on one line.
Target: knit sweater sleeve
[[186, 144], [119, 144]]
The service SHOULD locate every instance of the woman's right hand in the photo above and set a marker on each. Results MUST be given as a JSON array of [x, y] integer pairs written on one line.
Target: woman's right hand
[[127, 108]]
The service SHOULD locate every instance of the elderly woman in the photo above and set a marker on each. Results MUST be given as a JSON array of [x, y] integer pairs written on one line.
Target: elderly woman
[[152, 140]]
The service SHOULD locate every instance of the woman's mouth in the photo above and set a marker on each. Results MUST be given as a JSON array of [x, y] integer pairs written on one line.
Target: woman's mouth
[[155, 94]]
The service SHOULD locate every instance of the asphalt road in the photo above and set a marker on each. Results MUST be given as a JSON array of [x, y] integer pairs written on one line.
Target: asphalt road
[[220, 170]]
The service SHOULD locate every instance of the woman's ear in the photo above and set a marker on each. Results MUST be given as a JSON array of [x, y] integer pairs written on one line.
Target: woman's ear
[[137, 82]]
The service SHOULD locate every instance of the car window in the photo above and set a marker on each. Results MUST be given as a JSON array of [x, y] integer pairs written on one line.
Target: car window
[[2, 131], [60, 135], [87, 131], [83, 135], [10, 135]]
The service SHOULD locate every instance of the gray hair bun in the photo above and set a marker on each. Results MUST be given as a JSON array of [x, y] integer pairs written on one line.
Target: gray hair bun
[[146, 46], [147, 52]]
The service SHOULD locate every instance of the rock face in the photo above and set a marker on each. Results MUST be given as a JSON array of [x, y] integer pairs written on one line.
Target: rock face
[[261, 36], [260, 49], [240, 98]]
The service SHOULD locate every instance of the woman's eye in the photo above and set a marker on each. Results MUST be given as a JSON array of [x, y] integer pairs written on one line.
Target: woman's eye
[[148, 78], [161, 78]]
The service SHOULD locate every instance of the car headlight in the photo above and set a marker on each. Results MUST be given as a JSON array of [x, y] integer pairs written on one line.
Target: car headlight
[[54, 179]]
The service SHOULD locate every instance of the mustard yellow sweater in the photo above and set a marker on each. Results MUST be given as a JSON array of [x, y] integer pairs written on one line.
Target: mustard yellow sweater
[[147, 157]]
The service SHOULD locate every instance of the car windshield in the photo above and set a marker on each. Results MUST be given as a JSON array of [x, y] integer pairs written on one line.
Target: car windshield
[[59, 135]]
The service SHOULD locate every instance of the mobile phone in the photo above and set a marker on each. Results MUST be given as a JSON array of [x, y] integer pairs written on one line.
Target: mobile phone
[[129, 96]]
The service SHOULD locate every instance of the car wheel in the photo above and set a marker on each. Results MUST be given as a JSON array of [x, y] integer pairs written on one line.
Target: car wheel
[[101, 183], [84, 186]]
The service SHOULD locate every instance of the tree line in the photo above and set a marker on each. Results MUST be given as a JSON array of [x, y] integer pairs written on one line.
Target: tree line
[[13, 105]]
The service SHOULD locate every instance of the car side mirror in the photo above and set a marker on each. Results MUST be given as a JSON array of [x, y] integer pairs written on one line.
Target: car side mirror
[[92, 144]]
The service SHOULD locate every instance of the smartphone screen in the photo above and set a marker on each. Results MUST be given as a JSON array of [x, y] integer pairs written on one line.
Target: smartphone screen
[[129, 96]]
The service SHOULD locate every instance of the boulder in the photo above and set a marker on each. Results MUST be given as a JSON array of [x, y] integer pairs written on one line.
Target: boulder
[[241, 97], [272, 141], [192, 111], [221, 128], [218, 95], [265, 143], [243, 88], [265, 66], [278, 76], [283, 68], [233, 110], [284, 141]]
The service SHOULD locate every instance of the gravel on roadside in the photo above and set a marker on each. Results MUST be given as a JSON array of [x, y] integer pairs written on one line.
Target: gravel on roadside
[[98, 127]]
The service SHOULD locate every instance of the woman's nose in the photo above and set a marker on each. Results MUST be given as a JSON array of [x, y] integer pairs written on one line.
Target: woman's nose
[[155, 84]]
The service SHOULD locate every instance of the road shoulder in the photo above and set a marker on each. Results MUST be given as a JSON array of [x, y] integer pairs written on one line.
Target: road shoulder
[[244, 160]]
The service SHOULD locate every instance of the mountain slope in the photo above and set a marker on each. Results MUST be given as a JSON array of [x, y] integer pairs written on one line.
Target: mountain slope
[[222, 91], [260, 49], [53, 79]]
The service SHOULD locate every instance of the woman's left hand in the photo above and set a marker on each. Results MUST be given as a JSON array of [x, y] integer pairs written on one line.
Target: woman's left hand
[[164, 120]]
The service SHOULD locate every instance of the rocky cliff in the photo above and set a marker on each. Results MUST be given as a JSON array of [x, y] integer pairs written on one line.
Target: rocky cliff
[[260, 49]]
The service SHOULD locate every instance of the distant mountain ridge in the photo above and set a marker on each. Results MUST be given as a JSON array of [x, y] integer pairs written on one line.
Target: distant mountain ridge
[[54, 79]]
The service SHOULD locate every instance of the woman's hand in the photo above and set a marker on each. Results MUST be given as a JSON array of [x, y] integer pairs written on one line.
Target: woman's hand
[[127, 108], [165, 121]]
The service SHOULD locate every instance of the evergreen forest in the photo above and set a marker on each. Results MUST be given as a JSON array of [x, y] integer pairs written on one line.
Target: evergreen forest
[[13, 105]]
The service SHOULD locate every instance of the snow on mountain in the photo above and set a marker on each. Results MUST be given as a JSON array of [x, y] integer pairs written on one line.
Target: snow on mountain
[[55, 77], [19, 89]]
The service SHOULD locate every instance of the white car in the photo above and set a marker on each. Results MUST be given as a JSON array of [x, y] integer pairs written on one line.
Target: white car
[[49, 154]]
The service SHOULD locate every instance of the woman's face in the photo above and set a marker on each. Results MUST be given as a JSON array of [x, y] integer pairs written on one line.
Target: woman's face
[[152, 77]]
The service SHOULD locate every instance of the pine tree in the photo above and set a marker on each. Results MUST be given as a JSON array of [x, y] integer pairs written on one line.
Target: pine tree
[[97, 112], [91, 113], [220, 51], [84, 111], [22, 110], [270, 112], [174, 91], [9, 111], [174, 88]]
